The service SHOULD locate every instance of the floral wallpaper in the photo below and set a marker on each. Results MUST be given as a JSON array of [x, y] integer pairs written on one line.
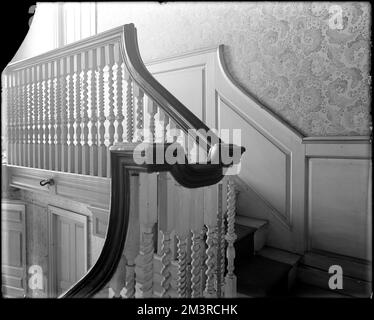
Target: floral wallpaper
[[307, 62]]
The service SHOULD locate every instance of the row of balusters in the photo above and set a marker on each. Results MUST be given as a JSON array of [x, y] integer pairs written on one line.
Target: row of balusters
[[63, 115], [203, 264]]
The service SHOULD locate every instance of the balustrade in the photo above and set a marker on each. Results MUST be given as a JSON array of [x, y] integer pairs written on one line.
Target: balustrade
[[84, 108]]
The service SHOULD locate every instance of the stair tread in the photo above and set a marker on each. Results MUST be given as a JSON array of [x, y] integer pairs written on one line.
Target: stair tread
[[279, 255], [251, 222], [259, 276], [243, 231]]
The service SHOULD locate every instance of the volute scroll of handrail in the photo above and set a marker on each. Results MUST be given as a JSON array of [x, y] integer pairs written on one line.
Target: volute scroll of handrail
[[123, 165]]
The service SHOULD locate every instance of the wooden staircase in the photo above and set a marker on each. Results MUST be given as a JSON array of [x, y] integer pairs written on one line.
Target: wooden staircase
[[261, 271]]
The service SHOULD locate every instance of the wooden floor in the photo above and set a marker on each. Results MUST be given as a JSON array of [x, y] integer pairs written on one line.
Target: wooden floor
[[302, 290]]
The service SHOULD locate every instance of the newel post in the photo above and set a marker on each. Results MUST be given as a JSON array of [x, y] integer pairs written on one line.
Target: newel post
[[147, 219]]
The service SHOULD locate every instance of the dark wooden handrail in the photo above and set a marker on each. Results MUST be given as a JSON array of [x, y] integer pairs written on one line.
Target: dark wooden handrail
[[168, 102], [123, 165]]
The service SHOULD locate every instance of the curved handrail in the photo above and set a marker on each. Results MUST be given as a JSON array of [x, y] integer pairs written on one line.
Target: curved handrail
[[122, 158], [169, 103], [123, 165]]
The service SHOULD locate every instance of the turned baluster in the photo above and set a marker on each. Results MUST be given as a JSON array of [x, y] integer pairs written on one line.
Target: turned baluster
[[118, 78], [61, 91], [85, 147], [139, 95], [102, 149], [111, 104], [9, 110], [17, 122], [47, 105], [78, 115], [210, 220], [26, 116], [23, 109], [31, 97], [148, 219], [34, 96], [164, 119], [221, 256], [166, 222], [129, 107], [22, 113], [94, 118], [152, 111], [230, 279], [71, 120], [196, 225], [181, 209], [54, 115], [40, 117], [174, 130]]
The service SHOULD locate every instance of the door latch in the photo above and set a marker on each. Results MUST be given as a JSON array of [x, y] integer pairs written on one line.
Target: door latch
[[44, 182]]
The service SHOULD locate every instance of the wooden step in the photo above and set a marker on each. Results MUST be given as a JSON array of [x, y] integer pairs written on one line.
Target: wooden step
[[251, 234], [283, 256], [260, 277]]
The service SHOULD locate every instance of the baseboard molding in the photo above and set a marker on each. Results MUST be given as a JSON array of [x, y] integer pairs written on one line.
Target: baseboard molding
[[354, 268], [314, 270], [320, 278]]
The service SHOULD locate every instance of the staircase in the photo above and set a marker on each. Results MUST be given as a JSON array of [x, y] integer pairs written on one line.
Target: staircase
[[261, 271]]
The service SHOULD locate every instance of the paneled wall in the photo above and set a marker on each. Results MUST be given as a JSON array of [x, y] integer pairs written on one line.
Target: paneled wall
[[338, 198], [314, 191]]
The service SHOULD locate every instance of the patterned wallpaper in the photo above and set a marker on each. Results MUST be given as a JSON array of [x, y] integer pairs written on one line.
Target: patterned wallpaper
[[313, 73]]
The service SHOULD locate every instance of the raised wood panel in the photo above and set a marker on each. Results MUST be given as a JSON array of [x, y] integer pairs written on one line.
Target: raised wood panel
[[264, 167], [338, 206], [82, 188], [68, 255], [11, 216], [192, 78]]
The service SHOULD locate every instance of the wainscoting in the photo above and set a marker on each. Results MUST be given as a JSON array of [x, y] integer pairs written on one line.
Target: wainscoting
[[313, 191]]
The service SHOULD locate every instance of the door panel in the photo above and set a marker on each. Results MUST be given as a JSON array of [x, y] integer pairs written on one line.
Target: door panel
[[13, 249], [68, 248]]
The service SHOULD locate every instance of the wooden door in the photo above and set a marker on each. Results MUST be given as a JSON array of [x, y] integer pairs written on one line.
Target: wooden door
[[68, 248], [13, 249]]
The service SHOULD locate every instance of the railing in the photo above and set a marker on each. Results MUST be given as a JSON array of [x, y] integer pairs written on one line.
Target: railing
[[87, 108]]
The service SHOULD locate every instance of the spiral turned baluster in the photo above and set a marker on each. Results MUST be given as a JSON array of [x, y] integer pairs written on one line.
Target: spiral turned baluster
[[129, 108], [71, 149], [47, 105], [94, 164], [102, 149], [230, 280], [166, 264], [52, 116], [78, 114], [17, 123], [40, 118], [182, 266], [139, 94], [196, 264], [85, 147], [119, 91]]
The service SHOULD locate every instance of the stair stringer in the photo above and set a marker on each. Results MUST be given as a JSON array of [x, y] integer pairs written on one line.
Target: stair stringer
[[272, 176]]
